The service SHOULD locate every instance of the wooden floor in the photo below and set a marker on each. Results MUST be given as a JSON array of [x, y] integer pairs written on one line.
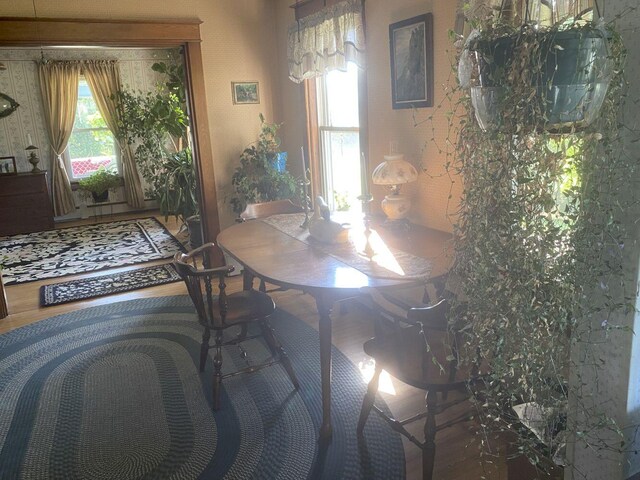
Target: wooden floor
[[457, 455]]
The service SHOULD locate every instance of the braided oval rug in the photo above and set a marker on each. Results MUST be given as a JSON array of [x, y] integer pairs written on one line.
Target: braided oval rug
[[114, 392]]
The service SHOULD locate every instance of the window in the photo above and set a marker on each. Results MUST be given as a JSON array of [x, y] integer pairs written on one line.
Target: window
[[339, 137], [91, 144]]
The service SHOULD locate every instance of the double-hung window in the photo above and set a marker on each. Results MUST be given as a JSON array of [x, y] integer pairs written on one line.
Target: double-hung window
[[91, 144], [339, 137]]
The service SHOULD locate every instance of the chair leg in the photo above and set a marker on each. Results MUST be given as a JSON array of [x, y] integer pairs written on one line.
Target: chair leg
[[204, 347], [217, 371], [242, 334], [369, 399], [263, 286], [429, 446], [276, 349], [247, 280]]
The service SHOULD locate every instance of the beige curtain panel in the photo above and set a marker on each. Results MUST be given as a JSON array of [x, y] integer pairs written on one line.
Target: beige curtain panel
[[326, 41], [59, 87], [103, 77]]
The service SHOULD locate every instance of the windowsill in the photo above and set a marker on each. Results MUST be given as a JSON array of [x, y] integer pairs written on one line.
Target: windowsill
[[75, 184]]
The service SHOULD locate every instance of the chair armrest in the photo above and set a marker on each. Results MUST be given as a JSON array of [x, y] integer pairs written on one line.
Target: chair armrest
[[223, 270], [433, 317]]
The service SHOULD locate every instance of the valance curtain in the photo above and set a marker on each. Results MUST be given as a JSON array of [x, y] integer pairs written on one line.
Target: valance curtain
[[59, 87], [326, 40], [103, 77]]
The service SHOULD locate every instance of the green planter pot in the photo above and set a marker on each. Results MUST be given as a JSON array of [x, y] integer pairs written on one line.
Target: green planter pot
[[100, 198], [571, 81], [195, 231]]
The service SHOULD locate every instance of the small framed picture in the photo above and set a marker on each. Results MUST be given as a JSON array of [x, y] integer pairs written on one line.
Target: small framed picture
[[8, 166], [411, 44], [245, 92]]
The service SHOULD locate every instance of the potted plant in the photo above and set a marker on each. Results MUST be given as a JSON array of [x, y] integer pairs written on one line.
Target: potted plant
[[158, 125], [538, 239], [259, 178], [557, 69], [99, 183]]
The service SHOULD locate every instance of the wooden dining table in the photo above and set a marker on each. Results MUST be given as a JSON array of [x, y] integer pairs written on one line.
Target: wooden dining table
[[293, 260]]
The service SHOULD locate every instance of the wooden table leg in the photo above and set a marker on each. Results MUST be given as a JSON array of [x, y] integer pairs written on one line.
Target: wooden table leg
[[324, 309], [247, 280], [4, 308]]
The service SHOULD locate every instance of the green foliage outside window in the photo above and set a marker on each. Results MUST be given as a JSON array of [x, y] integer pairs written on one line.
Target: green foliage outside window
[[90, 143]]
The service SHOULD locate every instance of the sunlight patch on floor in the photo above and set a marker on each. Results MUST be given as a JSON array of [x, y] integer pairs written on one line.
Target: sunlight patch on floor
[[367, 367]]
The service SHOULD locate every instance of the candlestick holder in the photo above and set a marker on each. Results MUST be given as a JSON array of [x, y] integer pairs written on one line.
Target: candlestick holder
[[33, 158], [304, 186], [368, 250]]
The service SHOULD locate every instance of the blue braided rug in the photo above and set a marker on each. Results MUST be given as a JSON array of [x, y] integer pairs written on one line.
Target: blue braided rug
[[114, 392]]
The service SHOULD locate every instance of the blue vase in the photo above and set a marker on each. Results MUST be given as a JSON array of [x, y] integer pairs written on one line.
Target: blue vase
[[280, 162]]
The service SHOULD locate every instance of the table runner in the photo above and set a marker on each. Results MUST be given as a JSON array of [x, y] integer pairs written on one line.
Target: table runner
[[387, 262]]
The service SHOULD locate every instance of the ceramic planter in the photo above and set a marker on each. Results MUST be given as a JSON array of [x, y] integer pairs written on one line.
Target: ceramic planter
[[100, 198], [569, 70], [195, 231]]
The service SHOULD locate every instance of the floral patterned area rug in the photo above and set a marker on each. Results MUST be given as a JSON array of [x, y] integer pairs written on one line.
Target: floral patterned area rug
[[84, 288], [86, 248]]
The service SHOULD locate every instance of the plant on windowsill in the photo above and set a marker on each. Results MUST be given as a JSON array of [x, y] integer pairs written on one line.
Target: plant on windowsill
[[539, 243], [258, 179], [98, 184]]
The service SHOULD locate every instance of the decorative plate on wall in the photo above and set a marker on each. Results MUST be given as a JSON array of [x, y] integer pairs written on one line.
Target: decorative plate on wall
[[7, 105]]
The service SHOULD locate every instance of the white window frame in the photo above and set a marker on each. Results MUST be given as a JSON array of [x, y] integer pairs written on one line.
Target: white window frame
[[323, 127], [67, 156]]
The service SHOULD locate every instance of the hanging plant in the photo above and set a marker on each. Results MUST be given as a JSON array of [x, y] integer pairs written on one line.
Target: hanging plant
[[561, 71], [538, 241]]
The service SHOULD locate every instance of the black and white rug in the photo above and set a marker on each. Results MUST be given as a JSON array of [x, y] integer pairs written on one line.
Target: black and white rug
[[87, 248], [84, 288], [114, 392]]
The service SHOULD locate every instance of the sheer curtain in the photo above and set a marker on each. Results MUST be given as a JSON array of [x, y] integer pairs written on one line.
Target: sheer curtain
[[59, 87], [103, 77], [326, 40]]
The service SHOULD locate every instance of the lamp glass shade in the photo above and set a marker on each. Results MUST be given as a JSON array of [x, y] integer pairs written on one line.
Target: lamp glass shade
[[395, 170]]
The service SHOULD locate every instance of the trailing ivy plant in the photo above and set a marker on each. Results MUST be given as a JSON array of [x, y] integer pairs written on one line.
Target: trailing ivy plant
[[538, 241]]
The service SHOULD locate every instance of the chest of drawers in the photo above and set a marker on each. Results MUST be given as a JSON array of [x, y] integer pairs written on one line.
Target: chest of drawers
[[25, 203]]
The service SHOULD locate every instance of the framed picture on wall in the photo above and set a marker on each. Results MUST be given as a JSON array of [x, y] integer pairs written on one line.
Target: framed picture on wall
[[245, 92], [8, 166], [411, 44]]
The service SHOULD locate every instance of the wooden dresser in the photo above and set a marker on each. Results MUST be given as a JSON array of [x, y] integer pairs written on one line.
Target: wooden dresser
[[25, 203]]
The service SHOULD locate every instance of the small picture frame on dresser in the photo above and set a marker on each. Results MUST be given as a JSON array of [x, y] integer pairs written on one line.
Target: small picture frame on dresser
[[8, 166]]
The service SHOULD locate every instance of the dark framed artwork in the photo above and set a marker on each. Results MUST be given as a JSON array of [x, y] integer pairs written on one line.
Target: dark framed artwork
[[411, 44], [8, 166], [245, 92]]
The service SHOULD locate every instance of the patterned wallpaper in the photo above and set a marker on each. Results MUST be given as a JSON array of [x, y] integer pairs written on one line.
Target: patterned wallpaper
[[20, 82]]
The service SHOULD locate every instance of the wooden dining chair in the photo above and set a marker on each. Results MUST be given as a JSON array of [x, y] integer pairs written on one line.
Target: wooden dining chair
[[218, 311], [255, 211], [266, 209], [417, 347]]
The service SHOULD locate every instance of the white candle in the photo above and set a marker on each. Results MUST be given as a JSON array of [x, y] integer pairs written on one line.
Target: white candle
[[29, 141], [304, 165], [364, 180]]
